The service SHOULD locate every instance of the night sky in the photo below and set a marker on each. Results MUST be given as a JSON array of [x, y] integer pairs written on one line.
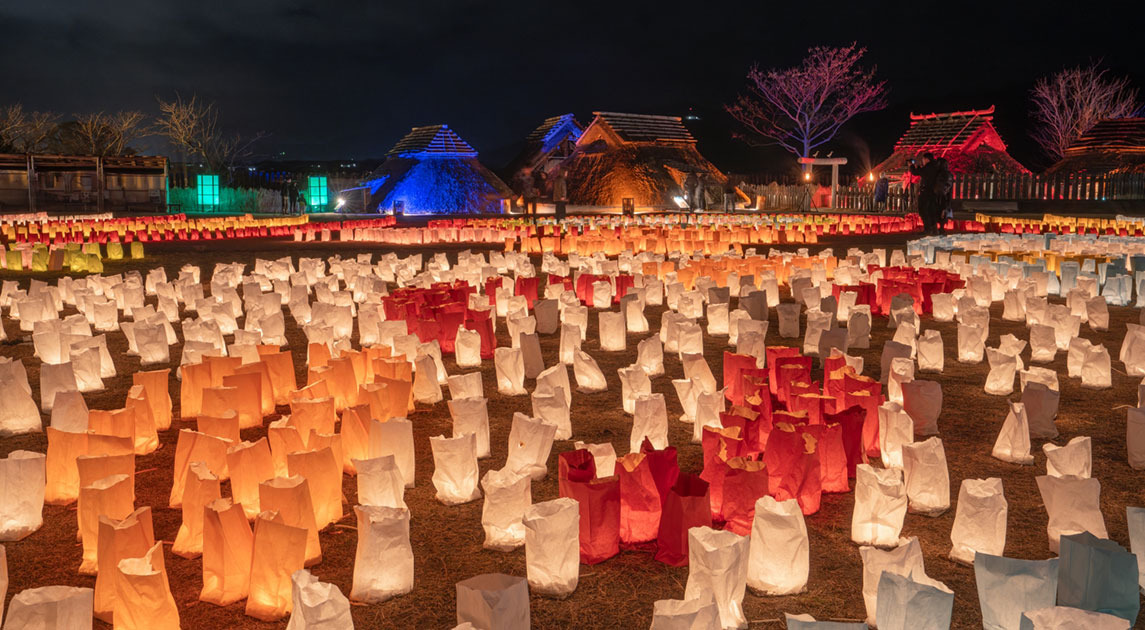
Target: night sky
[[331, 80]]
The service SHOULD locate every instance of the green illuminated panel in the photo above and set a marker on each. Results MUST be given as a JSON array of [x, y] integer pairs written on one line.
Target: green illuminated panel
[[208, 190], [317, 191]]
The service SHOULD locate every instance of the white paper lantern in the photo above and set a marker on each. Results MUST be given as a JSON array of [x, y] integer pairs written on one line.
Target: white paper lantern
[[1135, 437], [1073, 505], [589, 378], [613, 335], [979, 520], [902, 371], [530, 442], [780, 559], [22, 481], [471, 415], [931, 356], [1013, 443], [880, 506], [685, 614], [317, 605], [507, 497], [650, 420], [467, 348], [1041, 403], [383, 559], [465, 386], [895, 429], [634, 382], [552, 547], [789, 319], [494, 600], [53, 380], [1066, 618], [395, 437], [903, 559], [554, 378], [51, 608], [380, 482], [650, 356], [1000, 378], [426, 388], [922, 401], [455, 472], [551, 407], [717, 568], [1043, 343], [1095, 368], [569, 343], [911, 602], [1075, 459], [971, 343], [927, 477], [1007, 587]]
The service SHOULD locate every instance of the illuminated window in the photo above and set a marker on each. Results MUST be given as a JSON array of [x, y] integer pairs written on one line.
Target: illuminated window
[[317, 189], [208, 190]]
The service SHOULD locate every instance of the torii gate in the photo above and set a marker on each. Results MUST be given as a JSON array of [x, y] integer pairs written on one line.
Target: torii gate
[[834, 164]]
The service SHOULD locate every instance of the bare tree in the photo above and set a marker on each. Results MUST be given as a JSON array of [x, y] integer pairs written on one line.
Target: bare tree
[[802, 108], [1069, 103], [26, 132], [193, 127], [105, 134]]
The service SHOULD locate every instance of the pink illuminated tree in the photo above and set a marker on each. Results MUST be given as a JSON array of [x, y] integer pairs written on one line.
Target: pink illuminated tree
[[802, 108], [1069, 103]]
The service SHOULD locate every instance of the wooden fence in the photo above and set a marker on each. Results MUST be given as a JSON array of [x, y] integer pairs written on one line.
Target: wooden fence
[[1095, 187]]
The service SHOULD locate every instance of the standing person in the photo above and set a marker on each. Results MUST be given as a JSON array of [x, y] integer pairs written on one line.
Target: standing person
[[701, 199], [560, 194], [690, 191], [927, 175], [882, 187], [730, 196], [540, 184], [943, 190]]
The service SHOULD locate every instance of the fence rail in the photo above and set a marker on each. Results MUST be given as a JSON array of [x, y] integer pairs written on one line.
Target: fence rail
[[1096, 187]]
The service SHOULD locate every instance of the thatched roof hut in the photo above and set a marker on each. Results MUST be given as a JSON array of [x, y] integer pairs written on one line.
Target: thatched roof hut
[[968, 141], [545, 147], [430, 171], [1112, 146], [646, 158]]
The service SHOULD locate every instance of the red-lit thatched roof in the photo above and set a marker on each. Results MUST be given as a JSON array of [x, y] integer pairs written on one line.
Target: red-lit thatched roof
[[967, 139], [1112, 146]]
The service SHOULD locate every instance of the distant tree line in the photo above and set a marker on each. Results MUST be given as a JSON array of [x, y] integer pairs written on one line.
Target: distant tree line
[[191, 126]]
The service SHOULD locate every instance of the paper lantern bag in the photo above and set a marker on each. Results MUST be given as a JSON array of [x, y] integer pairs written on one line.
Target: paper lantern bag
[[552, 547], [494, 600], [383, 560], [1099, 575], [599, 507], [277, 552], [779, 561], [1007, 587], [717, 569], [143, 597], [228, 545], [317, 605], [22, 482], [686, 505]]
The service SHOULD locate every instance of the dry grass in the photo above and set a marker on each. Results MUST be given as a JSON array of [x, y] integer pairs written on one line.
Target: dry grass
[[617, 593]]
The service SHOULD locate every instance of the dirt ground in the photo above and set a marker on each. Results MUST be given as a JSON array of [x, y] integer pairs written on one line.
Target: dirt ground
[[618, 593]]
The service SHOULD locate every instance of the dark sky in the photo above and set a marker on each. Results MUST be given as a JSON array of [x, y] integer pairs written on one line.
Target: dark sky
[[331, 79]]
